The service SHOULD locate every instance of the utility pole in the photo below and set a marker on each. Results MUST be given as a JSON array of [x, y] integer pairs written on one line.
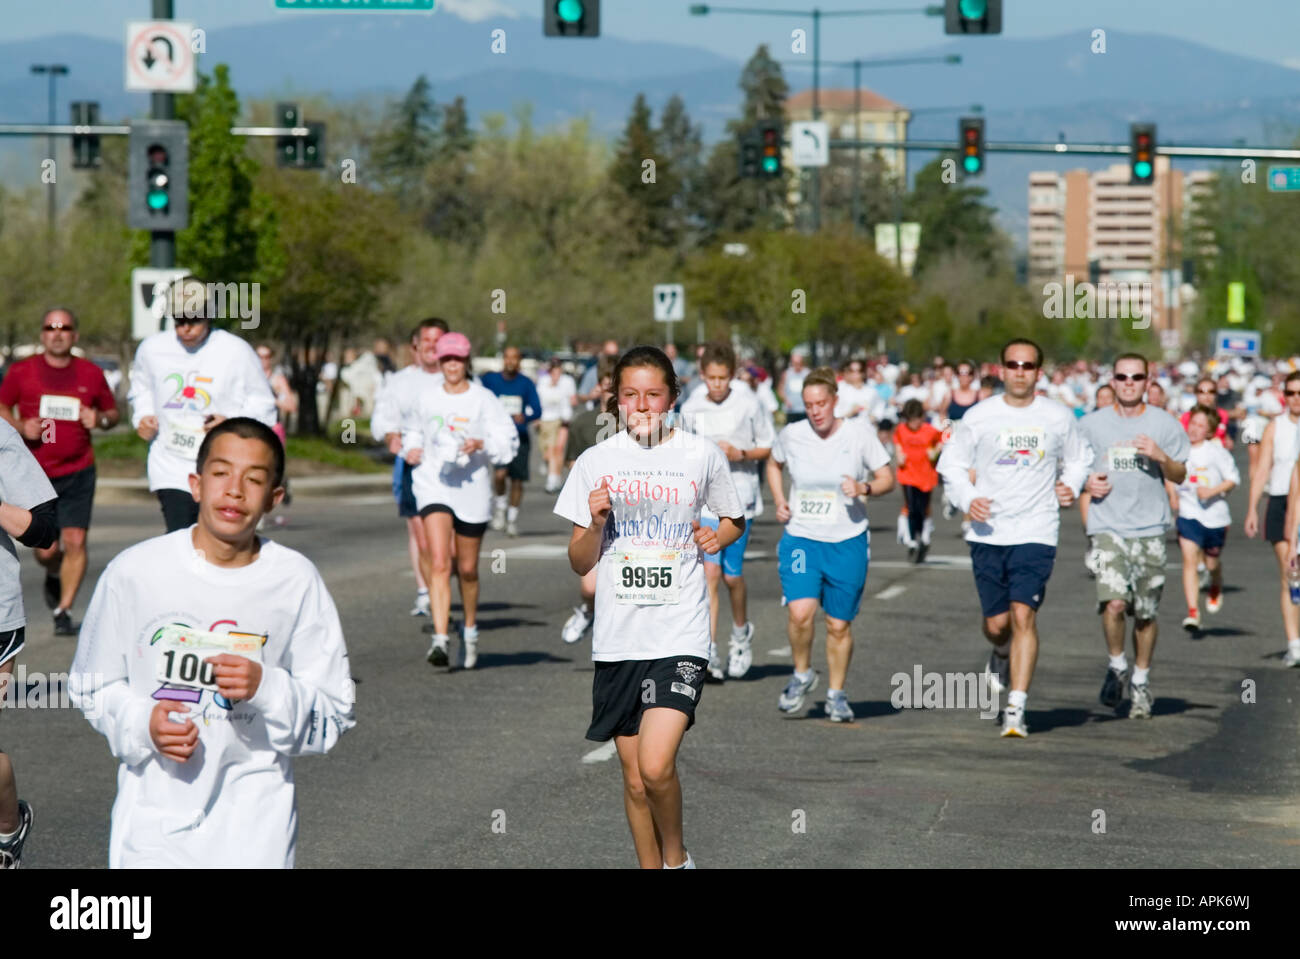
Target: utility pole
[[53, 70], [162, 243]]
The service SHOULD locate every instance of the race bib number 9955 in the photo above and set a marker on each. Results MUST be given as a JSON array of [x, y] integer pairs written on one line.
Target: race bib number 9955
[[647, 577]]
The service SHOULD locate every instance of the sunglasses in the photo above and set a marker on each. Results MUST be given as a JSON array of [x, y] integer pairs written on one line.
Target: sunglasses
[[454, 359], [187, 320], [1292, 393], [1125, 377], [1206, 391], [1020, 364], [59, 328]]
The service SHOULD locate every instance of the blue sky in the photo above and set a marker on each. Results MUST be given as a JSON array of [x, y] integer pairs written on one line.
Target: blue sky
[[1262, 29]]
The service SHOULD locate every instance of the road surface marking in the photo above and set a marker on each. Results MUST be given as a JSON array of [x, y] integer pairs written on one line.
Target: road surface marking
[[891, 591]]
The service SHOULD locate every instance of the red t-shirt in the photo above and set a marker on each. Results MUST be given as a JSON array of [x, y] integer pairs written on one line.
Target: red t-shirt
[[68, 448], [915, 445]]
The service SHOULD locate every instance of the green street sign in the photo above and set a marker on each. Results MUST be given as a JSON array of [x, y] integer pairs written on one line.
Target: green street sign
[[361, 6], [1284, 179]]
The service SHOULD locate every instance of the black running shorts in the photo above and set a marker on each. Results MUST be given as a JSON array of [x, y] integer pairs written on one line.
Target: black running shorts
[[1275, 520], [462, 528], [76, 493], [622, 691]]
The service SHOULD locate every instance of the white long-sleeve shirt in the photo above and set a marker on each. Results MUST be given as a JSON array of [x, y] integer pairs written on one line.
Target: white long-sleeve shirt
[[395, 405], [180, 387], [232, 803], [1017, 454], [442, 422]]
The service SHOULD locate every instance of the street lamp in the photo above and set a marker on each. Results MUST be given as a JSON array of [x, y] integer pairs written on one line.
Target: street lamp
[[53, 70], [704, 9]]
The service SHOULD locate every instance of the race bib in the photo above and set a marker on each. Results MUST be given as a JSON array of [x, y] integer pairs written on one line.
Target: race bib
[[60, 408], [814, 505], [721, 423], [1124, 459], [514, 404], [1027, 439], [647, 577], [182, 440], [184, 654]]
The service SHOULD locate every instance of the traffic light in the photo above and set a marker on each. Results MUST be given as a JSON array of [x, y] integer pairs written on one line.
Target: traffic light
[[1142, 154], [972, 146], [85, 146], [571, 18], [158, 176], [301, 153], [972, 17], [750, 148], [770, 140]]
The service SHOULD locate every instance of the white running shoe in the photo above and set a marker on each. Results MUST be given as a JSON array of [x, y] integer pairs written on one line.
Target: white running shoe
[[1013, 722], [421, 607], [575, 627], [1292, 656], [469, 646], [927, 532], [688, 864], [904, 531], [512, 528], [741, 654], [498, 520], [715, 672]]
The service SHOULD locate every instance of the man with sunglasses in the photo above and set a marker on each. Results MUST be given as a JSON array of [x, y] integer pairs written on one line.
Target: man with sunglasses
[[1136, 449], [1279, 449], [54, 399], [185, 382], [1015, 442]]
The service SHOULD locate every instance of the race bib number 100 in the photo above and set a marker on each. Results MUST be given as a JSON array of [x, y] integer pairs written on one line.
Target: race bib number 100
[[1124, 459], [647, 577], [60, 407], [814, 505], [184, 654]]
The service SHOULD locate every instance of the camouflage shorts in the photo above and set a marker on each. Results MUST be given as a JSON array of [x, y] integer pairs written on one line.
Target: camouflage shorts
[[1130, 569]]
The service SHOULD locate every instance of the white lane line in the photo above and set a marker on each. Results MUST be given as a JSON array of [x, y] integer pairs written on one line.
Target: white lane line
[[890, 592], [783, 651], [601, 753]]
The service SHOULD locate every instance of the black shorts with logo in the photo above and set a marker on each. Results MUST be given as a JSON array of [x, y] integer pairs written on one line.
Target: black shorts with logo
[[76, 493], [622, 691]]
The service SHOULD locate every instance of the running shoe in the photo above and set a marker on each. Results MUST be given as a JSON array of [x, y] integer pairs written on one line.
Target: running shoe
[[1214, 600], [498, 520], [421, 607], [53, 590], [1291, 657], [904, 531], [1204, 575], [920, 553], [688, 864], [949, 511], [1112, 687], [575, 627], [792, 697], [997, 673], [1013, 722], [63, 624], [1141, 706], [1192, 621], [512, 528], [11, 852], [437, 655], [741, 654], [912, 553], [837, 708], [715, 673], [469, 646], [927, 534]]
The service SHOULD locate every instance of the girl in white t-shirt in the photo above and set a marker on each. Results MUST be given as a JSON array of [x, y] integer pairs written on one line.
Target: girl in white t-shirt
[[635, 501], [1203, 517]]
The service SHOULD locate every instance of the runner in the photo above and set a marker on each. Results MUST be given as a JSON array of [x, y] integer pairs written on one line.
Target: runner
[[519, 398], [964, 395], [286, 405], [59, 399], [27, 513], [790, 388], [825, 549], [587, 428], [1292, 655], [856, 397], [182, 385], [734, 420], [394, 408], [205, 751], [460, 432], [1279, 448], [1136, 449], [1207, 395], [635, 501], [558, 395], [1203, 517], [918, 444], [1015, 442]]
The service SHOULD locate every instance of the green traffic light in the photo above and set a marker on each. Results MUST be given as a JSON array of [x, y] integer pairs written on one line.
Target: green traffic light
[[770, 165], [157, 200], [972, 164], [974, 9], [1142, 169], [570, 11]]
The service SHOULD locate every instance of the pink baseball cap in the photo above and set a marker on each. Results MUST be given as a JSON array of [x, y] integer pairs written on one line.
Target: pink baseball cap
[[453, 344]]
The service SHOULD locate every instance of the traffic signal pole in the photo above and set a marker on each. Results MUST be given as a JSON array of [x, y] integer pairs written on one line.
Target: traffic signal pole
[[162, 243]]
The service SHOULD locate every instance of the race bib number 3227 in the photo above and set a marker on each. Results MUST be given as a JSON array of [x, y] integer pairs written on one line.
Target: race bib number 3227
[[814, 505]]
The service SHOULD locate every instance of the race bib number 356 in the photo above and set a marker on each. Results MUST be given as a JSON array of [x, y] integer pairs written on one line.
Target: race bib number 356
[[647, 577], [182, 441], [184, 654]]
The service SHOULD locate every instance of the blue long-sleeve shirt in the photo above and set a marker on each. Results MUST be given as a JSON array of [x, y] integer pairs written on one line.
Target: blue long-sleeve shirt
[[529, 404]]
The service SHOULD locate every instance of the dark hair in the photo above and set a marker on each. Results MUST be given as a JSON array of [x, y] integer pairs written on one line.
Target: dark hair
[[822, 376], [639, 356], [913, 410], [60, 309], [974, 370], [990, 383], [1106, 386], [605, 367], [1210, 413], [250, 429], [1292, 377], [1021, 341], [1206, 379], [432, 321], [718, 353], [1138, 357]]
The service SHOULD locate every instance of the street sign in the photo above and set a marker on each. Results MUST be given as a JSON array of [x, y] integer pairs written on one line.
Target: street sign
[[1237, 342], [1284, 179], [158, 56], [670, 302], [148, 304], [810, 144], [361, 6], [1236, 302]]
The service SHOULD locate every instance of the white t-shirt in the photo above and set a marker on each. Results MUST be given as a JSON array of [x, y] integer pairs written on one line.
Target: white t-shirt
[[22, 484], [818, 507], [180, 387], [911, 393], [232, 803], [1209, 465], [740, 421], [1017, 453], [557, 397], [441, 423], [395, 405], [656, 493], [865, 397]]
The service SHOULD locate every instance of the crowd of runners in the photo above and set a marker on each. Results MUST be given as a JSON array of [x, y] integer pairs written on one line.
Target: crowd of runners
[[209, 656]]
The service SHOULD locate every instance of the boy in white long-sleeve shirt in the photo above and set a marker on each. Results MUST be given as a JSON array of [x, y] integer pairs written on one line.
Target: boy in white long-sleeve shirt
[[206, 741], [1016, 443]]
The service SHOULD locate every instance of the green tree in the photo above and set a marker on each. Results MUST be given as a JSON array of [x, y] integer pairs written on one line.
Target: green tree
[[408, 141], [953, 217], [681, 143], [642, 186]]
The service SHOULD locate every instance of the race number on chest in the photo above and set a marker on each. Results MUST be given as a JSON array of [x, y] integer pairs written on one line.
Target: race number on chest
[[184, 654], [182, 440], [814, 505], [1124, 459], [60, 407], [647, 577]]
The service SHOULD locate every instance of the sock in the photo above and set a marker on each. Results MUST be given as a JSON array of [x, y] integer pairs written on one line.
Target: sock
[[499, 502], [1140, 675], [59, 610], [804, 677], [8, 836], [1017, 697], [1119, 662], [512, 513], [586, 608], [738, 631], [469, 633], [440, 639], [834, 693], [1004, 651], [422, 591], [1293, 644]]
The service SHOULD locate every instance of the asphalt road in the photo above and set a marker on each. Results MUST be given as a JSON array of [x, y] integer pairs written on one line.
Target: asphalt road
[[490, 767]]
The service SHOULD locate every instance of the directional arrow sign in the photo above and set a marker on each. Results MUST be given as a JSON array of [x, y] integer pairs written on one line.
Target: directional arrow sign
[[810, 144], [147, 301], [670, 302], [158, 56]]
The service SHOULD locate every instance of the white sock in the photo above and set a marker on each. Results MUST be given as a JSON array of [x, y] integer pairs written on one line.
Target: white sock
[[499, 502], [440, 639], [469, 633], [1140, 675], [1293, 644], [804, 677], [1017, 698], [834, 693], [1119, 662], [512, 513], [1004, 651], [739, 631], [422, 591], [59, 610]]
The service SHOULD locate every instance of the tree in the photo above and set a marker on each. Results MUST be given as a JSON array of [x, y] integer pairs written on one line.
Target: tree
[[409, 141], [642, 186], [681, 144], [953, 217], [451, 209]]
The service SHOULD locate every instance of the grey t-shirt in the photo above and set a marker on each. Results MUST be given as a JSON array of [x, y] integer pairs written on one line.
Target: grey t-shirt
[[22, 484], [1137, 504]]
